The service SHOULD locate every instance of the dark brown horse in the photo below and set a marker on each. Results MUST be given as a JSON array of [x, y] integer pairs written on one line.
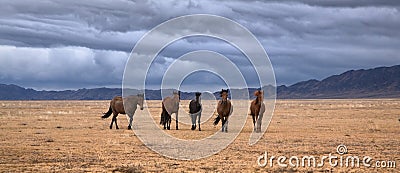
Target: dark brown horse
[[257, 109], [224, 110], [117, 107], [195, 110]]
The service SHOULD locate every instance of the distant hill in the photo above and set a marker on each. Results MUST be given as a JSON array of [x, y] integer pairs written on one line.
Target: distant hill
[[381, 82], [14, 92]]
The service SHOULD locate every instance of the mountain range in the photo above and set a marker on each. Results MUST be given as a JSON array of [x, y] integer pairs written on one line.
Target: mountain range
[[380, 82]]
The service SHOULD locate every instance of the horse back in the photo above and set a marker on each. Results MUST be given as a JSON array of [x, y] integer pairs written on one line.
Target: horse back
[[130, 103], [117, 105], [170, 105]]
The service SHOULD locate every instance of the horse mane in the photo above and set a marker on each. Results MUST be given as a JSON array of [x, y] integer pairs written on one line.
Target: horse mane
[[258, 96], [177, 93]]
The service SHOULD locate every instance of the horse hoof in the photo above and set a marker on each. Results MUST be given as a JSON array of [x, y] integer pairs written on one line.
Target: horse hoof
[[117, 128], [193, 127], [168, 128], [199, 129], [129, 128], [110, 127]]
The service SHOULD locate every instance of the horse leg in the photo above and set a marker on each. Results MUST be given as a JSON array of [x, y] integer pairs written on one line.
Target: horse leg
[[164, 119], [226, 124], [223, 124], [176, 120], [169, 122], [116, 125], [256, 124], [254, 121], [259, 121], [114, 119], [130, 121], [192, 116], [199, 115], [166, 122]]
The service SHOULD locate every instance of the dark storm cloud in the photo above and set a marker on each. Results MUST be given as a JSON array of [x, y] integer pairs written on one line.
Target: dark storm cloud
[[351, 3], [114, 25], [90, 40], [61, 68]]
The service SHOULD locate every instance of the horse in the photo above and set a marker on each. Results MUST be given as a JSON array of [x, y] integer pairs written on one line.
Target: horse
[[117, 107], [224, 110], [257, 109], [170, 105], [195, 110]]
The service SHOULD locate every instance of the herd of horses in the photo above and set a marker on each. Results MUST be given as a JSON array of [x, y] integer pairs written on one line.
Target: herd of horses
[[170, 105]]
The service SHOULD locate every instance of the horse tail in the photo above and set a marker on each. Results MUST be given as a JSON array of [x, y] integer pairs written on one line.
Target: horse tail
[[163, 116], [216, 121], [106, 115]]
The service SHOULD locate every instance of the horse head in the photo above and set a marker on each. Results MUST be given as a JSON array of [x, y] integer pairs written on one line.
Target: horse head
[[140, 100], [259, 93], [224, 95], [198, 94]]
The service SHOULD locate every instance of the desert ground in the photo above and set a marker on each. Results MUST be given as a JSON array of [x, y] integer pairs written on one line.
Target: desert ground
[[70, 136]]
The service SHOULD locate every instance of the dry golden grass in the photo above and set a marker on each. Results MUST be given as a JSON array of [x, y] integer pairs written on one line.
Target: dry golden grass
[[47, 136]]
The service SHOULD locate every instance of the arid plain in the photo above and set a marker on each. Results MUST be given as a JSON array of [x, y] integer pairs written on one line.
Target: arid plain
[[70, 136]]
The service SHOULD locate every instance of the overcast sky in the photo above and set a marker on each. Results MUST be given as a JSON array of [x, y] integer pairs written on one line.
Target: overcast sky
[[59, 44]]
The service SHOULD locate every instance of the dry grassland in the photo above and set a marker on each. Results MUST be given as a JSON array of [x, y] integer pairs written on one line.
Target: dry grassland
[[70, 136]]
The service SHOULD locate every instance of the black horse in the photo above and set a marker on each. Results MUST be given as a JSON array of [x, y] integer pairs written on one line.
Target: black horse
[[195, 110]]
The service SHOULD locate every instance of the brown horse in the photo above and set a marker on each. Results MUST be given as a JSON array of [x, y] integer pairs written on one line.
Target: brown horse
[[170, 106], [117, 107], [224, 110], [257, 109]]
